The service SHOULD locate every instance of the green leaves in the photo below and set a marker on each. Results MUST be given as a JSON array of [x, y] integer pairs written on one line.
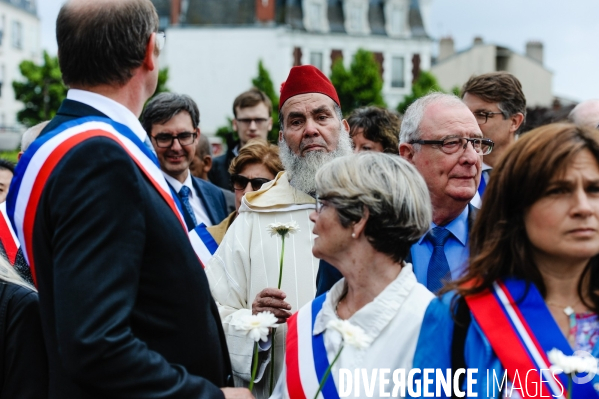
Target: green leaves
[[359, 86], [41, 91], [264, 83], [425, 84]]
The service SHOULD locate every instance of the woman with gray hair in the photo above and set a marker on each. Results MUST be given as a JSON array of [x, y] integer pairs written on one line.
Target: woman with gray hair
[[370, 208]]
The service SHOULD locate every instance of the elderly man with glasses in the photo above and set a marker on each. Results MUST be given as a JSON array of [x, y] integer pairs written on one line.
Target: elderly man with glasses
[[441, 137]]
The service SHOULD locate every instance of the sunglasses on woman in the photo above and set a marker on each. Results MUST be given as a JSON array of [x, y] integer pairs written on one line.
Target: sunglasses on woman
[[241, 182]]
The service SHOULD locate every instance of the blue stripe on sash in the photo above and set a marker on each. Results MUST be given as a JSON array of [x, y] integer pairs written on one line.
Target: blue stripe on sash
[[321, 362], [206, 238], [482, 186], [543, 326]]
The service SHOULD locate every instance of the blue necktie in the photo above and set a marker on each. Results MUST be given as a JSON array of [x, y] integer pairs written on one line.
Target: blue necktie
[[484, 179], [438, 268], [184, 194]]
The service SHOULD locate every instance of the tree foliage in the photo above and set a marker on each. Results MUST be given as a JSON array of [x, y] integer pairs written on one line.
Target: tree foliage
[[359, 86], [425, 84], [264, 82], [41, 91]]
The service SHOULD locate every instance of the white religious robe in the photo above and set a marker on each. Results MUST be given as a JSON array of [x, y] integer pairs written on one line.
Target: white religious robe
[[247, 261], [393, 320]]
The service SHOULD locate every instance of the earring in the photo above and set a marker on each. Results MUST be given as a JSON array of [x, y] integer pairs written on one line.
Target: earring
[[353, 235]]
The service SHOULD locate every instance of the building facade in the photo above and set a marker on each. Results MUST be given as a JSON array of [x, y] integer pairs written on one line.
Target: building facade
[[454, 69], [19, 40], [213, 47]]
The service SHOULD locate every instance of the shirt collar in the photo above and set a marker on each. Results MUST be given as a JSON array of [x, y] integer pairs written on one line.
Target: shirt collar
[[376, 315], [458, 227], [112, 109], [176, 184], [485, 167]]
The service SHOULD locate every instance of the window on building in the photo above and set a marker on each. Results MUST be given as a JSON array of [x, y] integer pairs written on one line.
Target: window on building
[[315, 13], [397, 72], [17, 34], [397, 19], [316, 60], [2, 29]]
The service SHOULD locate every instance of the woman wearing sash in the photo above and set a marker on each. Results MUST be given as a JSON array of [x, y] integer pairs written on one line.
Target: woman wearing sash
[[370, 209], [533, 280]]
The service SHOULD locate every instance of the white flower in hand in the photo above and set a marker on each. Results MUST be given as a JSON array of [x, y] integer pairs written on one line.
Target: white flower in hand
[[352, 335], [571, 364], [283, 229], [256, 325]]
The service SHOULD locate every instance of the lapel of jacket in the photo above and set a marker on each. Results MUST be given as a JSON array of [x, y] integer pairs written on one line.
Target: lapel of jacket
[[206, 197]]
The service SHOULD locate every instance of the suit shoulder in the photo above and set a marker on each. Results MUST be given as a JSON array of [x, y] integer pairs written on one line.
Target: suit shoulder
[[207, 186]]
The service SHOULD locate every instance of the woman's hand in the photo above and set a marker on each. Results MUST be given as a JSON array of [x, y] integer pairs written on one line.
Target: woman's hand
[[272, 300]]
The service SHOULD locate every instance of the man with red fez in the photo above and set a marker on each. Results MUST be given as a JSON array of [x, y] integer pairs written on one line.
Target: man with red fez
[[244, 272]]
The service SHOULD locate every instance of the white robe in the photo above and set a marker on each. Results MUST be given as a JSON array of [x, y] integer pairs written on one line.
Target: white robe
[[393, 320], [247, 261]]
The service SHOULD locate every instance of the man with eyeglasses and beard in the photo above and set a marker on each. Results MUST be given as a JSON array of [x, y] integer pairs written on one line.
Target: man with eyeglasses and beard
[[244, 272], [171, 121], [252, 110]]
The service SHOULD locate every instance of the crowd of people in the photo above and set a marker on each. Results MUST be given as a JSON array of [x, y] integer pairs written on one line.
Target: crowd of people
[[439, 239]]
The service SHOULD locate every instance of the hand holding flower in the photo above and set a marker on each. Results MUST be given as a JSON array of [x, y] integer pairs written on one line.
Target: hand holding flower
[[272, 300]]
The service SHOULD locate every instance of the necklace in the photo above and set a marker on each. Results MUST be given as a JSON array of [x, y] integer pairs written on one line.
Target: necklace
[[568, 310]]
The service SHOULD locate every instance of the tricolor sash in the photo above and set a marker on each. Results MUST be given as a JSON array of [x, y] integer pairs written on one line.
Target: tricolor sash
[[44, 154], [306, 356], [203, 243], [7, 236], [521, 330]]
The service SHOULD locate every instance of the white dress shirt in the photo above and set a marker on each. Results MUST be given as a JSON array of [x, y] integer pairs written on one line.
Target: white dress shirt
[[194, 198]]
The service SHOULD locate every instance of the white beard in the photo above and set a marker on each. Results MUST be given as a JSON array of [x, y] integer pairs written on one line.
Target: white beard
[[302, 170]]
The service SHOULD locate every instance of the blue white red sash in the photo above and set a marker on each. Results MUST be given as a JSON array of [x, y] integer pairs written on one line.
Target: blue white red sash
[[521, 330], [203, 243], [306, 356], [7, 236], [40, 159]]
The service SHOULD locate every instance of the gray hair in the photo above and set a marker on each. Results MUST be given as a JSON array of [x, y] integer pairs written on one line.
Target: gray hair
[[31, 134], [336, 107], [165, 106], [410, 125], [10, 275], [391, 188]]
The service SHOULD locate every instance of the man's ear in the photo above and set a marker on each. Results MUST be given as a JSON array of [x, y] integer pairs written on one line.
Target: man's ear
[[149, 61], [207, 163], [406, 151], [516, 120], [269, 123], [345, 125]]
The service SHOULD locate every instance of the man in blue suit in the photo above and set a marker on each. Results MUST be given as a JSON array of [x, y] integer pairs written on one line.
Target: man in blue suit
[[171, 120]]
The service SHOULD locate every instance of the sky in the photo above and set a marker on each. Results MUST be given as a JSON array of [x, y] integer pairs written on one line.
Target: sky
[[568, 30]]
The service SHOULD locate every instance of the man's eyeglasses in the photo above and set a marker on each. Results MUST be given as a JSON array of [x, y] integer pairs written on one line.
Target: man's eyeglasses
[[165, 140], [248, 121], [241, 182], [160, 40], [482, 117], [452, 145]]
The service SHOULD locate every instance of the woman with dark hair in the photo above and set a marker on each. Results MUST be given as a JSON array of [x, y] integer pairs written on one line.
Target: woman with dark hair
[[533, 281], [374, 129]]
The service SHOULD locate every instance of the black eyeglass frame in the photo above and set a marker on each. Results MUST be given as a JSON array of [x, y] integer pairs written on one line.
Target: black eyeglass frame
[[256, 182], [486, 115], [443, 144], [193, 137]]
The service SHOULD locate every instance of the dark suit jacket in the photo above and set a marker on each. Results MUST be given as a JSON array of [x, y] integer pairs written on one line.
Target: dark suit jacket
[[328, 275], [125, 304], [219, 173], [213, 200]]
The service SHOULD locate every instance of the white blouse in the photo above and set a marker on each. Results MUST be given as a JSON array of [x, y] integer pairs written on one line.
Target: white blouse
[[393, 320]]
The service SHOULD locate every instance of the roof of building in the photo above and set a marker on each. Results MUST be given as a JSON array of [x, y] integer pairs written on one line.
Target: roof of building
[[29, 6], [287, 12]]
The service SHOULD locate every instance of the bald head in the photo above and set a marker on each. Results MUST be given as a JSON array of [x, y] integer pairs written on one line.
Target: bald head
[[586, 114], [101, 42]]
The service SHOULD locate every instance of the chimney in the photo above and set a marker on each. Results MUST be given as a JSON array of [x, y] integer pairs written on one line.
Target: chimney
[[478, 40], [175, 11], [535, 51], [265, 10], [446, 49]]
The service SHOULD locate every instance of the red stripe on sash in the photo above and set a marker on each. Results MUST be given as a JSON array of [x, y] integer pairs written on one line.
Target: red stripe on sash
[[46, 170], [8, 241], [505, 342], [294, 382]]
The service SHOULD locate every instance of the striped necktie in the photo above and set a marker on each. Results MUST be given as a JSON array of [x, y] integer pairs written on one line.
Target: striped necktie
[[184, 194]]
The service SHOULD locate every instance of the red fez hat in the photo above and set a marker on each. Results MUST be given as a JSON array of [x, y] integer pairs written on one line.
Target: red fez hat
[[306, 79]]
